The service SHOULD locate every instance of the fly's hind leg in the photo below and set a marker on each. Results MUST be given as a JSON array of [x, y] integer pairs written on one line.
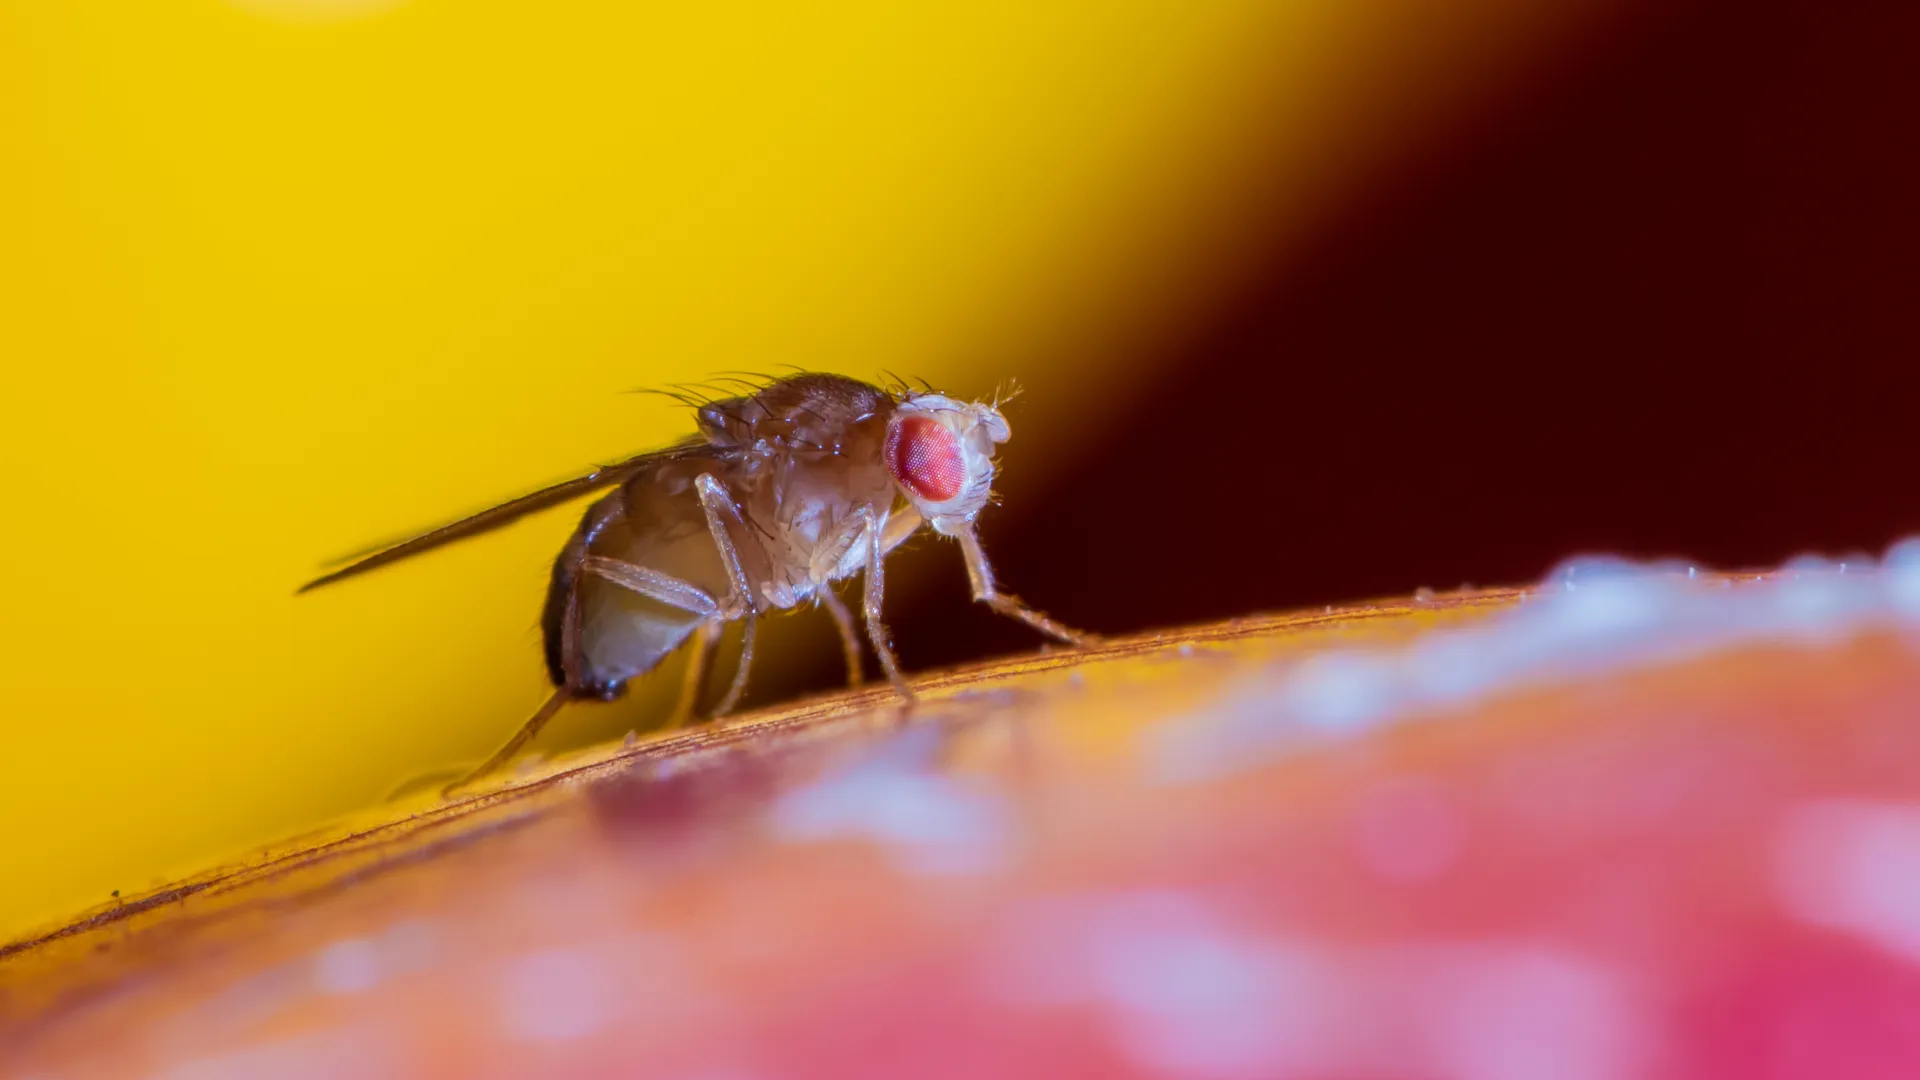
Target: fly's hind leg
[[699, 664], [654, 585], [984, 590], [513, 746], [720, 507]]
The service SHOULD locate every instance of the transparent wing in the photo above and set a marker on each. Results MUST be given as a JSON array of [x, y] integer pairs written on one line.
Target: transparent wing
[[506, 513]]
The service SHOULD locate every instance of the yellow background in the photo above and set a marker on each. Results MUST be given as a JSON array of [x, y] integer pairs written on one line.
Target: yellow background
[[283, 278]]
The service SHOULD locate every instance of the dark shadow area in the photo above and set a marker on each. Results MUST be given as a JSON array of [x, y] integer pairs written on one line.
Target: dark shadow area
[[1664, 300]]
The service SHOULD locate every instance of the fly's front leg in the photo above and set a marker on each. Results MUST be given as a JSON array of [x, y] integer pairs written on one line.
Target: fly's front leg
[[849, 638], [874, 592], [720, 507], [981, 574]]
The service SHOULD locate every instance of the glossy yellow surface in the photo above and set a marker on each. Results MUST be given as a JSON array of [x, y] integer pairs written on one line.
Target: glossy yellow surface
[[281, 278]]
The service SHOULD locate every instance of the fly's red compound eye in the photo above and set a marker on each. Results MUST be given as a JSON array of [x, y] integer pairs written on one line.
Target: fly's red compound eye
[[925, 457]]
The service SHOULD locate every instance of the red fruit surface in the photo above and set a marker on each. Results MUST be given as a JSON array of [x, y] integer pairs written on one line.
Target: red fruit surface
[[1698, 862]]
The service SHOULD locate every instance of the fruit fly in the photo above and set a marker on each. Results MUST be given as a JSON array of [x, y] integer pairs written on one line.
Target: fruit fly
[[806, 481]]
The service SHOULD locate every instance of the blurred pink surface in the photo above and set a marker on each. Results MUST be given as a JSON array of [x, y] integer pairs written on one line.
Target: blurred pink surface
[[1696, 865]]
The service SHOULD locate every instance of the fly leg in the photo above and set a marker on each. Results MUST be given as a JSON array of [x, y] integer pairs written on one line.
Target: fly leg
[[695, 680], [825, 562], [719, 505], [981, 575], [874, 592], [654, 585], [849, 638], [520, 738]]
